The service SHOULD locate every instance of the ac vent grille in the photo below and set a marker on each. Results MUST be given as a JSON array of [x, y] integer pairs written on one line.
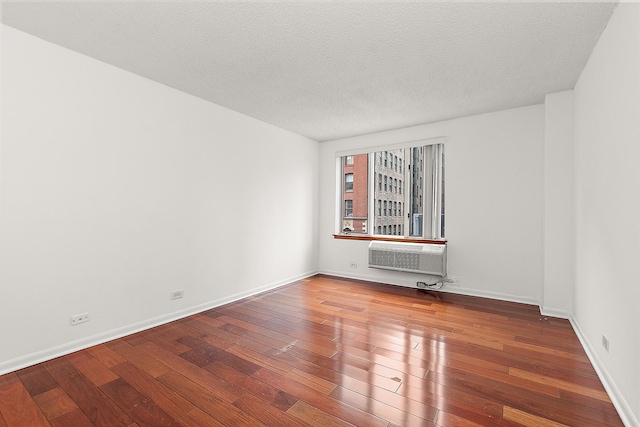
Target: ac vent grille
[[395, 259], [411, 257]]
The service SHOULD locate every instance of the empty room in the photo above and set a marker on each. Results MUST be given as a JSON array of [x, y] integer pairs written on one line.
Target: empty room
[[319, 214]]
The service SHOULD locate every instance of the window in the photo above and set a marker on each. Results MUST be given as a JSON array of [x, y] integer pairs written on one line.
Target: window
[[348, 160], [348, 182], [348, 208], [411, 201]]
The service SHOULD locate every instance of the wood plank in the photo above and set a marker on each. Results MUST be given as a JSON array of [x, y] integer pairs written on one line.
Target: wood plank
[[94, 403], [221, 410], [199, 418], [55, 403], [144, 411], [106, 356], [315, 417], [171, 403], [316, 383], [527, 419], [413, 413], [96, 372], [139, 358], [561, 384], [265, 413], [36, 379], [265, 392], [75, 418], [216, 385], [16, 406], [322, 402]]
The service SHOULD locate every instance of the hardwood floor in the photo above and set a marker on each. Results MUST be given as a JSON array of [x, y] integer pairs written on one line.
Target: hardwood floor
[[325, 352]]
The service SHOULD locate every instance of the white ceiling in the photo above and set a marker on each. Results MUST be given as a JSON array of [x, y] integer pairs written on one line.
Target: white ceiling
[[331, 70]]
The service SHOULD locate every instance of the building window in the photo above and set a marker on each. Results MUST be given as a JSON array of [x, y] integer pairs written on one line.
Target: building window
[[348, 160], [348, 208], [415, 209], [348, 182]]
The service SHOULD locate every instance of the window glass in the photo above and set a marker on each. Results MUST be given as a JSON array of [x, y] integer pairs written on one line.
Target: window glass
[[348, 182], [348, 208], [354, 211], [411, 201]]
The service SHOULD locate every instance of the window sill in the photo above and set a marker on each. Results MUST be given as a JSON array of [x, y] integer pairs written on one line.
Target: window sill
[[387, 239]]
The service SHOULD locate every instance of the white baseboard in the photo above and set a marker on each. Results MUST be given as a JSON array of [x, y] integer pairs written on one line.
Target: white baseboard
[[552, 312], [70, 347], [622, 406], [446, 288]]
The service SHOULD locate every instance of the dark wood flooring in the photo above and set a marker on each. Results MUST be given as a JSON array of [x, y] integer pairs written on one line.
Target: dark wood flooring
[[324, 352]]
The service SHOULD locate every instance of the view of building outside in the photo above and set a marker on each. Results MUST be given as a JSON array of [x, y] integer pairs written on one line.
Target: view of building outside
[[355, 187], [389, 189], [399, 178]]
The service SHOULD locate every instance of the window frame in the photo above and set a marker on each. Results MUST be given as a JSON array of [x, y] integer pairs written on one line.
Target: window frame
[[375, 154]]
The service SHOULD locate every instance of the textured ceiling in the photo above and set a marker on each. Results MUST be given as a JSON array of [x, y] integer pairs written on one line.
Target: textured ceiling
[[331, 70]]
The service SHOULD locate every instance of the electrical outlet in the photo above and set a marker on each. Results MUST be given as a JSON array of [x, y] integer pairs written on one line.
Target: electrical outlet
[[177, 294], [605, 343], [354, 264], [79, 318]]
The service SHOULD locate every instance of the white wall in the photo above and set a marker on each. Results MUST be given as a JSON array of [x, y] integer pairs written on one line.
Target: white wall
[[607, 207], [494, 204], [117, 190], [557, 295]]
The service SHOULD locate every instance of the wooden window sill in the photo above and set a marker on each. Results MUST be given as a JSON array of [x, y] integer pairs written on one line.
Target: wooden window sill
[[386, 239]]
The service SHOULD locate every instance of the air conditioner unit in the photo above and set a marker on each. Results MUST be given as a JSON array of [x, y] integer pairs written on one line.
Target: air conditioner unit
[[412, 257]]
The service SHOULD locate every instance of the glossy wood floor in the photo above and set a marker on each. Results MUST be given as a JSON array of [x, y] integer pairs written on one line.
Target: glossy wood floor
[[325, 352]]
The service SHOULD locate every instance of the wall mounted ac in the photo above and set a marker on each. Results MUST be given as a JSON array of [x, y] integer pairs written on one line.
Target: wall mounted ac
[[412, 257]]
